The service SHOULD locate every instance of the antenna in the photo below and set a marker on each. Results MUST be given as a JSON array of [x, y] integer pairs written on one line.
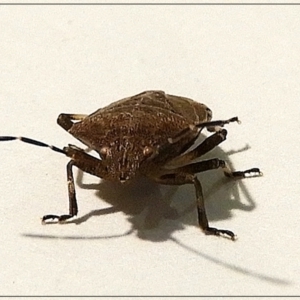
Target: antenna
[[32, 142]]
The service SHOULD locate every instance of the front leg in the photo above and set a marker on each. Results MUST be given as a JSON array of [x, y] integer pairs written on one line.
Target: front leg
[[202, 218], [73, 207], [183, 175], [86, 163], [184, 178]]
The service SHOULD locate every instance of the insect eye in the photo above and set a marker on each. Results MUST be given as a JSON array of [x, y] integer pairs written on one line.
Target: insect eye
[[147, 151], [209, 113], [104, 152]]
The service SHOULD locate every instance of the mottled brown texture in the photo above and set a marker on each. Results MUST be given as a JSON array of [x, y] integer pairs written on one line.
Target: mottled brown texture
[[128, 126], [149, 134]]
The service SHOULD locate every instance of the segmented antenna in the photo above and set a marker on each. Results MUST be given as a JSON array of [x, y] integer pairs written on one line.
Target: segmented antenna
[[32, 142]]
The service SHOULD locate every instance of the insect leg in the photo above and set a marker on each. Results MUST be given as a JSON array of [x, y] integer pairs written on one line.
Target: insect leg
[[202, 217], [183, 175], [216, 163], [182, 141], [174, 147], [209, 124], [207, 145], [86, 163], [184, 178], [65, 120], [73, 208]]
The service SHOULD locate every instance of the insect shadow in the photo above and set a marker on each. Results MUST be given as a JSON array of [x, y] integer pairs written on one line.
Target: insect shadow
[[156, 211]]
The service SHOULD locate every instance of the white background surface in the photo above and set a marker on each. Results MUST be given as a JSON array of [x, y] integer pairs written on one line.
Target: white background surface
[[239, 60]]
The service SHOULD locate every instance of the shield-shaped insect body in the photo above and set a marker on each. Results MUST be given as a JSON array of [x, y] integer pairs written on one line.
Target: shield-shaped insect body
[[151, 135]]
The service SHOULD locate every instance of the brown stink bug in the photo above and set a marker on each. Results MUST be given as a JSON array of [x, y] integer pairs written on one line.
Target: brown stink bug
[[151, 135]]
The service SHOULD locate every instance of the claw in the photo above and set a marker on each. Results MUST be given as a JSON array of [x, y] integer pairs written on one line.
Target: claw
[[256, 172], [47, 217], [60, 219], [218, 232], [245, 174]]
